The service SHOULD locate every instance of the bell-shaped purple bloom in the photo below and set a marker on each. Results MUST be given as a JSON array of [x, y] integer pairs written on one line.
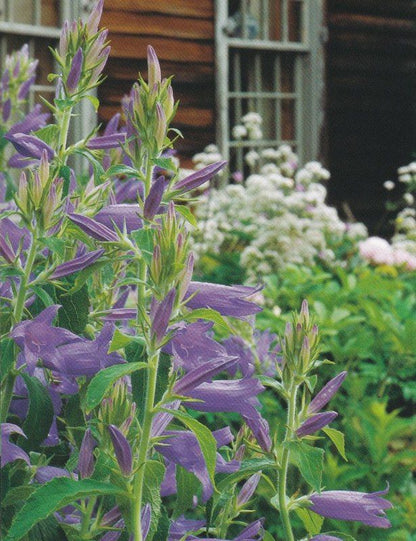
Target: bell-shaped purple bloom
[[123, 216], [199, 177], [106, 142], [10, 451], [44, 474], [182, 526], [74, 74], [25, 87], [202, 374], [30, 146], [6, 110], [86, 456], [227, 300], [122, 450], [94, 228], [161, 316], [153, 200], [326, 393], [367, 508], [76, 264], [315, 423], [252, 532], [238, 395], [33, 121], [182, 447]]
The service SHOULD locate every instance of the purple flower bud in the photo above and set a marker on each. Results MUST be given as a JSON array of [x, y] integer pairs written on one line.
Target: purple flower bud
[[161, 317], [29, 146], [202, 374], [75, 71], [122, 450], [94, 18], [106, 142], [93, 228], [153, 67], [44, 474], [304, 311], [367, 508], [25, 87], [326, 393], [6, 250], [161, 125], [86, 456], [248, 489], [7, 108], [79, 263], [146, 515], [324, 537], [315, 423], [33, 121], [153, 200], [63, 40], [111, 516], [199, 177]]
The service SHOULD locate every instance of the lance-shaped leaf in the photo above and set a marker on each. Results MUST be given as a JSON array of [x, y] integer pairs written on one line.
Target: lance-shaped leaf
[[199, 177], [76, 264], [122, 450]]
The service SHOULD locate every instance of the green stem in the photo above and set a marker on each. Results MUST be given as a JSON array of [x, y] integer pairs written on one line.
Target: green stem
[[8, 382], [63, 123], [144, 444], [86, 517], [284, 513]]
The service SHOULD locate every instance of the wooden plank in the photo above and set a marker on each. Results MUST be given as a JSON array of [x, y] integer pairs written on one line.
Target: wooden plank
[[343, 21], [124, 22], [405, 8], [166, 49], [347, 41], [184, 8]]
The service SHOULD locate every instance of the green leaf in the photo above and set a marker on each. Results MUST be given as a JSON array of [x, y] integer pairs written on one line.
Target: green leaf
[[53, 496], [102, 381], [49, 134], [187, 484], [54, 244], [311, 521], [210, 315], [187, 214], [121, 340], [43, 296], [7, 356], [40, 413], [94, 100], [75, 308], [337, 439], [65, 173], [309, 460], [205, 439], [116, 170], [144, 240], [247, 468], [164, 163], [17, 495], [153, 477]]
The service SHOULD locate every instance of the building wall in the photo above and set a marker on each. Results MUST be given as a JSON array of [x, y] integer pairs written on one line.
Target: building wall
[[182, 33], [370, 120]]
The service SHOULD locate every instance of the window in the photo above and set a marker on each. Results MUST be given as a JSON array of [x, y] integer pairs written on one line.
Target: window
[[269, 60], [38, 23]]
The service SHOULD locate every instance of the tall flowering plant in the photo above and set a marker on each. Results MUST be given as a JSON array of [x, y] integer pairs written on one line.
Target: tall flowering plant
[[109, 359]]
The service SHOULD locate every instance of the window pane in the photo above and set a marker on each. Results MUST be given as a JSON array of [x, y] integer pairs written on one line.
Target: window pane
[[46, 63], [295, 20], [50, 13], [22, 11], [288, 119]]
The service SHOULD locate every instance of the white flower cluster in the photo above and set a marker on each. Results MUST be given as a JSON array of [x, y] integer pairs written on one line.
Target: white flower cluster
[[404, 238], [379, 252], [278, 217], [211, 154], [249, 128]]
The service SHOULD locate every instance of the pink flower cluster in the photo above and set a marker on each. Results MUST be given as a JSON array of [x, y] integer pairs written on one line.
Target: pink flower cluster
[[379, 252]]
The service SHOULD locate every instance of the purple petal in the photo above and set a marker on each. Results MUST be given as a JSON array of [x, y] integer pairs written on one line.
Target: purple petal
[[7, 109], [44, 474], [324, 537], [94, 228], [326, 393], [120, 215], [75, 71], [248, 489], [77, 264], [367, 508], [199, 177], [122, 450], [30, 146], [94, 18], [25, 87], [106, 142], [202, 374], [227, 300], [161, 317], [182, 526], [9, 451], [315, 423], [33, 121]]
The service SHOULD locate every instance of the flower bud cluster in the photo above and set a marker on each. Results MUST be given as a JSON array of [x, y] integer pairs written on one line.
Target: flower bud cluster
[[117, 409], [40, 195], [18, 76], [150, 109], [82, 53], [300, 345]]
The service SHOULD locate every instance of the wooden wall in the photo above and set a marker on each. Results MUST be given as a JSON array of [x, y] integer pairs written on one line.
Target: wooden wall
[[182, 33], [370, 81]]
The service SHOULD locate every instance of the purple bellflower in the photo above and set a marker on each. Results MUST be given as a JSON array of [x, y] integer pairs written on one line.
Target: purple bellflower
[[33, 121], [252, 532], [86, 457], [199, 177], [238, 395], [367, 508], [182, 526], [94, 228], [153, 200], [44, 474], [248, 489], [325, 537], [76, 264], [30, 146], [75, 72], [120, 215], [161, 316], [202, 374], [315, 423], [10, 451], [227, 300], [106, 142]]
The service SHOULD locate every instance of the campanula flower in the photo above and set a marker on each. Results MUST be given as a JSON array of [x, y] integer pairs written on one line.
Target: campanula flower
[[76, 264], [199, 177], [10, 451], [367, 508], [326, 393], [86, 457], [30, 146], [94, 228], [122, 216], [315, 423], [122, 450], [153, 200]]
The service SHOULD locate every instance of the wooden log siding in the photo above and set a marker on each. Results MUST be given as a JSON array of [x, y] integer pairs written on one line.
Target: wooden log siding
[[370, 99], [182, 33]]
